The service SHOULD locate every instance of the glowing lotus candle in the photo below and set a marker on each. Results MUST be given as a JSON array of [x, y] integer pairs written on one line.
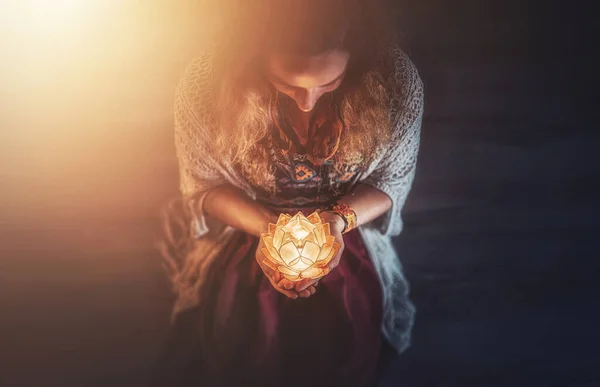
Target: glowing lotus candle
[[299, 246]]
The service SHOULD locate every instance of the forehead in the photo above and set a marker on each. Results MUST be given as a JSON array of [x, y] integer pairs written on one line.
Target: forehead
[[307, 71]]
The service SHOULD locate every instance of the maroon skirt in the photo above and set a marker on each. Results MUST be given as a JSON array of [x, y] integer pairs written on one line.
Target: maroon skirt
[[247, 333]]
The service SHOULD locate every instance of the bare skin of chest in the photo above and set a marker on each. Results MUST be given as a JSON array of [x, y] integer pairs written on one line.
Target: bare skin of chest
[[300, 122]]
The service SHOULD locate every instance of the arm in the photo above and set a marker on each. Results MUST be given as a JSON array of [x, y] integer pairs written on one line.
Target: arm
[[212, 200], [228, 204], [367, 202], [380, 196]]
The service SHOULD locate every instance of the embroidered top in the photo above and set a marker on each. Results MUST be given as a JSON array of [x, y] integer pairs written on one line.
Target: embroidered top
[[303, 184], [304, 171]]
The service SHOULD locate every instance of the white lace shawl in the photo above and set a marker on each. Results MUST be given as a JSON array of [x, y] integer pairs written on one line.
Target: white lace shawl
[[391, 172]]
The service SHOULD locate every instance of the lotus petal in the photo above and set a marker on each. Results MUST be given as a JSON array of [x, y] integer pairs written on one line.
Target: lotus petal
[[288, 252], [294, 222], [326, 229], [268, 262], [299, 264], [298, 233], [269, 257], [278, 238], [299, 246], [307, 224], [326, 248], [325, 261], [287, 227], [309, 238], [289, 274], [292, 277], [283, 219], [330, 256], [310, 251], [272, 252], [286, 270], [319, 234], [312, 273], [314, 218], [287, 235]]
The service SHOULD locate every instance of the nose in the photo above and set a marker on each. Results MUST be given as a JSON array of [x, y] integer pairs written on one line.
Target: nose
[[307, 99]]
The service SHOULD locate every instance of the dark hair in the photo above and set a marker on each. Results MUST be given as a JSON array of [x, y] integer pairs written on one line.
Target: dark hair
[[245, 101], [305, 27]]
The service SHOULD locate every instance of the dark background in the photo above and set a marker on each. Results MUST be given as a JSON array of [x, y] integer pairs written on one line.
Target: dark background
[[501, 243]]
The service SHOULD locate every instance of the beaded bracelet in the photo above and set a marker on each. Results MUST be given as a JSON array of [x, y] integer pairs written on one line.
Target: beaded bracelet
[[347, 214]]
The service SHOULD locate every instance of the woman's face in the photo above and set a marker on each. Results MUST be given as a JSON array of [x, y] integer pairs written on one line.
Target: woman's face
[[306, 78]]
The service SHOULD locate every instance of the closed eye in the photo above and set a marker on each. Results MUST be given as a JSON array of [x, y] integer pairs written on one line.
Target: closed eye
[[287, 86]]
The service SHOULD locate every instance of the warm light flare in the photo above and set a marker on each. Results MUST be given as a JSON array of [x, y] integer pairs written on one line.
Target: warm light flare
[[56, 16], [88, 95]]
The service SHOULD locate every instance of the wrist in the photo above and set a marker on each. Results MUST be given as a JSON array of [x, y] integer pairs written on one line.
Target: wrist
[[335, 220], [347, 215]]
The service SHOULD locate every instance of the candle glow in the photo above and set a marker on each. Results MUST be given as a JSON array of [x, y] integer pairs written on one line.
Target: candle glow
[[299, 247]]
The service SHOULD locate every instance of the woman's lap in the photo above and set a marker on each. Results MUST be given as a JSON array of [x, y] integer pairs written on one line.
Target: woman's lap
[[246, 330]]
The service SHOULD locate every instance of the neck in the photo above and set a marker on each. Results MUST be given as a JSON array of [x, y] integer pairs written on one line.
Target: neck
[[299, 119]]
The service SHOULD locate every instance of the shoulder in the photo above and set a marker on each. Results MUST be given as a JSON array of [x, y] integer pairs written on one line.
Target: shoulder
[[406, 95], [194, 95], [406, 85], [195, 86]]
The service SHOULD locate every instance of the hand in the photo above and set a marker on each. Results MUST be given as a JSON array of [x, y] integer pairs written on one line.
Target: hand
[[279, 282], [336, 226]]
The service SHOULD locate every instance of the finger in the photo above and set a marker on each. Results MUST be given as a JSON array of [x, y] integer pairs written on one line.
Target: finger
[[286, 284], [268, 263], [276, 276], [287, 293], [271, 274], [308, 292], [305, 283], [335, 261], [266, 269]]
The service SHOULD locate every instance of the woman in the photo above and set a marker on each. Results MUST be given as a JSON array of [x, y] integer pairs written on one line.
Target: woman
[[302, 106]]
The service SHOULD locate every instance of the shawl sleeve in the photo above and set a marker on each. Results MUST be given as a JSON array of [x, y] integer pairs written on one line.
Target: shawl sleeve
[[198, 171], [395, 172]]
